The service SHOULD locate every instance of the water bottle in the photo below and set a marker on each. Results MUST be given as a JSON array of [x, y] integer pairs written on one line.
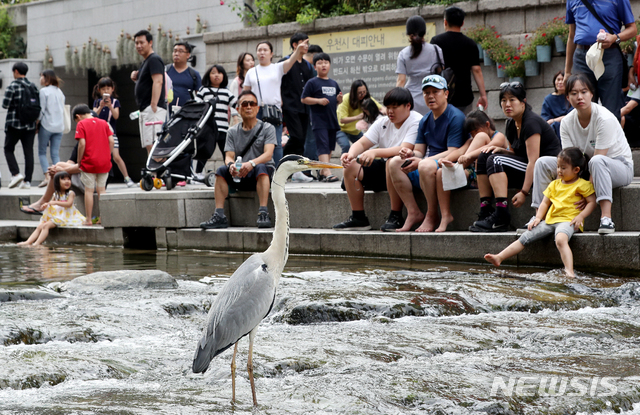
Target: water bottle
[[480, 108], [134, 115], [238, 167]]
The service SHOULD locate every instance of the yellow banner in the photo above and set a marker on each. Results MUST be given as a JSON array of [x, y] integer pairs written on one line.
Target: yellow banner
[[362, 40]]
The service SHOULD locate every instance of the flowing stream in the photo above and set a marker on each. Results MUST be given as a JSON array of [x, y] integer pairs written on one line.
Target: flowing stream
[[345, 336]]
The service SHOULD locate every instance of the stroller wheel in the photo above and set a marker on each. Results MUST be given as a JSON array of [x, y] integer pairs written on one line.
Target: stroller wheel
[[146, 183], [168, 182], [210, 179], [157, 183]]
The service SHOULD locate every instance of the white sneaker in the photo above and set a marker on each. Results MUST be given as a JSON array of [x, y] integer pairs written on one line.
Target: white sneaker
[[16, 180], [25, 185], [299, 177], [129, 182], [199, 176], [525, 228]]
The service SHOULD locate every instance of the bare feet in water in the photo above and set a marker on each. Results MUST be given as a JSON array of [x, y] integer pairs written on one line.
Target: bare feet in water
[[411, 221], [429, 223], [494, 259]]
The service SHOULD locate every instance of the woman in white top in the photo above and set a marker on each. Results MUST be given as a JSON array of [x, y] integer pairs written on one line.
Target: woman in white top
[[265, 79], [245, 62], [595, 130], [417, 61], [51, 119]]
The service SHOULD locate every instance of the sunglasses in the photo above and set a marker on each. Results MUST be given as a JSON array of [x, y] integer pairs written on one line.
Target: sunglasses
[[506, 85], [245, 104]]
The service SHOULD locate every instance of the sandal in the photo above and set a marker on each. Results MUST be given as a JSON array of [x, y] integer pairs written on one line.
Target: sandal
[[30, 211], [331, 179]]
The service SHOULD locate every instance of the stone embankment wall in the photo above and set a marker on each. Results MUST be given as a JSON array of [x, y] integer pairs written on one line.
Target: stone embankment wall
[[512, 18]]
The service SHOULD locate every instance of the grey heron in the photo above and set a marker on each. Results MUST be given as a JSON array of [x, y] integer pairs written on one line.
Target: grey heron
[[248, 296]]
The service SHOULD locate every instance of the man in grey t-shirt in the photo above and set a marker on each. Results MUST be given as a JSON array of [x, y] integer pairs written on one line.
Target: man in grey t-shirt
[[254, 141]]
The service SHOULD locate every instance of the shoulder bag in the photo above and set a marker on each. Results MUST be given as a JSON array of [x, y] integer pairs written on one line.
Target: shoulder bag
[[270, 113]]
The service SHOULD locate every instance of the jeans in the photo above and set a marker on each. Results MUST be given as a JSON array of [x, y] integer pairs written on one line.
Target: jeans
[[608, 87], [12, 137], [45, 138], [277, 152], [345, 139]]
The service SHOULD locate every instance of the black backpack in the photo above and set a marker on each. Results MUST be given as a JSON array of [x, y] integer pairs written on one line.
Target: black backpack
[[28, 109]]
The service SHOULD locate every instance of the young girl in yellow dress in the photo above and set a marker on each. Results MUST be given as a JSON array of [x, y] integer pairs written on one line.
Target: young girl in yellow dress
[[558, 213], [60, 211]]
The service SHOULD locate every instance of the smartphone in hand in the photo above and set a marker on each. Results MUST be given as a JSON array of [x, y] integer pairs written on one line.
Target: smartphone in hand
[[405, 164]]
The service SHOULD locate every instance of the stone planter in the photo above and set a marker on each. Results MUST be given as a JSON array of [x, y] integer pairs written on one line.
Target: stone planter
[[561, 47], [544, 53], [487, 59], [480, 51], [500, 70], [531, 68], [517, 79]]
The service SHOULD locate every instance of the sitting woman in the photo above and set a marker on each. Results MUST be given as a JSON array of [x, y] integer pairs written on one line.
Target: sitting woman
[[597, 132], [499, 169], [555, 105], [350, 112], [370, 113]]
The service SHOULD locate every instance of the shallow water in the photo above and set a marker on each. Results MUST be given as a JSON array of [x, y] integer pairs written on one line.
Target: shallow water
[[346, 336]]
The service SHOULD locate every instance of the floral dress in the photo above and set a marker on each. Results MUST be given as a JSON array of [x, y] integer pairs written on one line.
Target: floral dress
[[62, 216]]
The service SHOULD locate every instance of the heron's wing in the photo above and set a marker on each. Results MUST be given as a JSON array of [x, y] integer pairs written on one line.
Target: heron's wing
[[241, 304]]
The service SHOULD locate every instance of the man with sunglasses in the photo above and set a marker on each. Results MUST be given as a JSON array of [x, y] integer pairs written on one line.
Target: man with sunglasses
[[254, 141]]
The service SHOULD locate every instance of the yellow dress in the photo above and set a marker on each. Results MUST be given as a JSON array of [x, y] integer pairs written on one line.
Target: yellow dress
[[62, 216]]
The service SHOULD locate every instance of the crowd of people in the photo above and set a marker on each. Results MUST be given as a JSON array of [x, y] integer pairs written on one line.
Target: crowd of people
[[425, 130]]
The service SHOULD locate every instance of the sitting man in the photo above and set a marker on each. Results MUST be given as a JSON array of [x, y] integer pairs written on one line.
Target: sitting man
[[440, 134], [254, 141], [365, 166]]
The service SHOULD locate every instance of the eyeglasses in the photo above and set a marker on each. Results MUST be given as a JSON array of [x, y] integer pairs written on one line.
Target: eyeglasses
[[179, 51], [506, 85], [245, 104]]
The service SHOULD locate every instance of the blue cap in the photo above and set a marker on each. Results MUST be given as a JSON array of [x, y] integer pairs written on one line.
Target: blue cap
[[435, 81]]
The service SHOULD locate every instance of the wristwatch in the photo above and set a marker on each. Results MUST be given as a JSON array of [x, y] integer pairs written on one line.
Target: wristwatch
[[618, 40], [252, 164]]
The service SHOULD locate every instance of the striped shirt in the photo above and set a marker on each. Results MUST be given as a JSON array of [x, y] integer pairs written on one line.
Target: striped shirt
[[11, 101], [225, 100]]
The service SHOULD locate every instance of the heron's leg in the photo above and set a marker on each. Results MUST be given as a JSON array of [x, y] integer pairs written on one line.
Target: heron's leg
[[250, 366], [233, 374]]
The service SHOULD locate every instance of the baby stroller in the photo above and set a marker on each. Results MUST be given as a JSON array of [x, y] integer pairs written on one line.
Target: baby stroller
[[190, 134]]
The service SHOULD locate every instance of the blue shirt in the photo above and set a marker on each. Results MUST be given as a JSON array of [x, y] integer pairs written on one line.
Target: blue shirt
[[323, 117], [105, 113], [183, 83], [447, 131], [614, 13]]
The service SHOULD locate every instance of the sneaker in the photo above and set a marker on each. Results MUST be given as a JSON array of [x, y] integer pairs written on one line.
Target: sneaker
[[299, 177], [25, 185], [353, 224], [129, 182], [264, 221], [492, 224], [215, 222], [16, 180], [393, 222], [308, 174], [199, 176], [606, 226], [525, 228], [181, 183], [484, 213], [43, 183]]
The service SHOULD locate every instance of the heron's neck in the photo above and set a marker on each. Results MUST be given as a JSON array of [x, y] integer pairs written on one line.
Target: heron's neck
[[278, 251]]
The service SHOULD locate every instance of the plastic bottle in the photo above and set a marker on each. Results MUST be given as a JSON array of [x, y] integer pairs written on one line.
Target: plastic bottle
[[238, 167], [602, 35], [134, 115], [480, 108]]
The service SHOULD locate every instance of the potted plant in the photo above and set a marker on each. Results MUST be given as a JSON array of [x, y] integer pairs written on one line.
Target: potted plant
[[628, 48], [514, 69], [542, 43], [479, 34], [501, 52], [558, 30], [529, 56]]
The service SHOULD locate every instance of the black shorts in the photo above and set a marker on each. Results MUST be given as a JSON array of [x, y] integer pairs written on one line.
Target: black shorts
[[325, 140], [374, 177], [249, 181]]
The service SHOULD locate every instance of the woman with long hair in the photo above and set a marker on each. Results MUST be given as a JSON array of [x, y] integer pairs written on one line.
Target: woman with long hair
[[499, 169], [417, 61], [51, 123], [350, 112], [246, 61]]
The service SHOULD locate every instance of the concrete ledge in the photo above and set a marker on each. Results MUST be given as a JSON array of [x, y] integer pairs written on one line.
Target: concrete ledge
[[340, 23], [82, 235], [432, 11], [496, 5], [287, 29], [213, 37], [243, 34], [390, 16]]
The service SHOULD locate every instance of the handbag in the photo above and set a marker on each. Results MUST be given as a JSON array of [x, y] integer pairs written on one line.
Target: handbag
[[270, 113], [67, 119], [625, 64], [447, 73]]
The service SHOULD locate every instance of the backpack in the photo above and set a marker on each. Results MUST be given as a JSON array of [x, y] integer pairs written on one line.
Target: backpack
[[28, 109]]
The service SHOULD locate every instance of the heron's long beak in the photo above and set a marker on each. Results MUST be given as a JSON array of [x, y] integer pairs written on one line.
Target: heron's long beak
[[320, 165]]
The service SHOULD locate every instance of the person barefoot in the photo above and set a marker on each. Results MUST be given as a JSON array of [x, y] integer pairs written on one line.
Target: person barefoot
[[429, 223], [413, 218]]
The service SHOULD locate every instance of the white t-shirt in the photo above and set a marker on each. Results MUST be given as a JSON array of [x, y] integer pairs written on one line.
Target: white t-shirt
[[270, 79], [603, 132], [384, 133]]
